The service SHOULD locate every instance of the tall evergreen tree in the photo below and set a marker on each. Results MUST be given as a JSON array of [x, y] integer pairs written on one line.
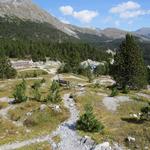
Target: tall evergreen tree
[[129, 68], [20, 92], [6, 70]]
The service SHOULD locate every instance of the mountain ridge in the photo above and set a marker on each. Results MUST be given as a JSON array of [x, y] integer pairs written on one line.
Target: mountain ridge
[[27, 10]]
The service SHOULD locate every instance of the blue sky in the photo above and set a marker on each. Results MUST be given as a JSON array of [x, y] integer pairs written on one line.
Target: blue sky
[[124, 14]]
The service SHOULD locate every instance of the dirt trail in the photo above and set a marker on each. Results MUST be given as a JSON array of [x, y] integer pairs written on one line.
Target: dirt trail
[[70, 140]]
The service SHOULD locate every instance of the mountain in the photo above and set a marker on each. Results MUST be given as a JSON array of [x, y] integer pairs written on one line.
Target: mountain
[[27, 10], [24, 19], [144, 31]]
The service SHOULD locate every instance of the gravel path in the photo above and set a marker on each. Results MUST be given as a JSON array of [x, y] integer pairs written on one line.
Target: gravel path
[[144, 95], [111, 103], [4, 111], [70, 140]]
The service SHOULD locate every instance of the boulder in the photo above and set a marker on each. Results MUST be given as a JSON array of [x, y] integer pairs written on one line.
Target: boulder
[[43, 107], [103, 146], [55, 108], [86, 140]]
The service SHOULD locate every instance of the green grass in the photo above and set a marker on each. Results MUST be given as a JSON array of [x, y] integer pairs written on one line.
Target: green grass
[[39, 146], [56, 139], [39, 123], [3, 105], [31, 73], [116, 129]]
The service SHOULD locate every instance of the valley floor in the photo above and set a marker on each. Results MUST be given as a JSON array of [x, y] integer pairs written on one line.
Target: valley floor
[[56, 129]]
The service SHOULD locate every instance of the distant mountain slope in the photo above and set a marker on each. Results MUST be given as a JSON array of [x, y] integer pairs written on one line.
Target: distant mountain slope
[[15, 28], [144, 31], [27, 10], [24, 19]]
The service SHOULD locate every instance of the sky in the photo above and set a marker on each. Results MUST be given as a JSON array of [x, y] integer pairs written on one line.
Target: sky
[[123, 14]]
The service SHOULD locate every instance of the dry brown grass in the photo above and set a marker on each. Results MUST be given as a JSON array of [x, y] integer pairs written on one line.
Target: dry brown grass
[[115, 128], [39, 146]]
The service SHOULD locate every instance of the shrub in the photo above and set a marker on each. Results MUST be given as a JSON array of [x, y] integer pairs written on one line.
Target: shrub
[[6, 69], [30, 122], [20, 92], [14, 115], [101, 69], [54, 97], [36, 85], [35, 74], [54, 86], [65, 68], [114, 92], [36, 92], [149, 75], [86, 71], [126, 90], [43, 81], [87, 122], [146, 112]]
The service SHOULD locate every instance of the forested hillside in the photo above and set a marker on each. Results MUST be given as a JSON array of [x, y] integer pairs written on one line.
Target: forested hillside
[[26, 39]]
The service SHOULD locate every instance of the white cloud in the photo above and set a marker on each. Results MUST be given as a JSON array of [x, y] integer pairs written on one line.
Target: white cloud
[[66, 10], [85, 16], [129, 14], [124, 7], [129, 10]]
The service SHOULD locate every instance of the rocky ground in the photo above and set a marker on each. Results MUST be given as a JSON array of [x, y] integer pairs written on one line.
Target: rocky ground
[[70, 140], [111, 103]]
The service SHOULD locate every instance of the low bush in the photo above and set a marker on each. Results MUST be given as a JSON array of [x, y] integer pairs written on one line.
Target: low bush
[[54, 97], [87, 122], [30, 122], [31, 73], [126, 90], [20, 92], [114, 92], [146, 112], [14, 115]]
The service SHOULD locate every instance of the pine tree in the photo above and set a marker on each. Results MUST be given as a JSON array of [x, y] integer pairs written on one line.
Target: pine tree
[[20, 92], [55, 86], [36, 92], [6, 69], [54, 96], [149, 75], [87, 122], [129, 68]]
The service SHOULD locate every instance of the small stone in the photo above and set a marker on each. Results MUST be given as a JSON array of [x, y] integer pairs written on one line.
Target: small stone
[[29, 113], [146, 148], [130, 139], [71, 105], [28, 131], [102, 146], [43, 107], [135, 116]]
